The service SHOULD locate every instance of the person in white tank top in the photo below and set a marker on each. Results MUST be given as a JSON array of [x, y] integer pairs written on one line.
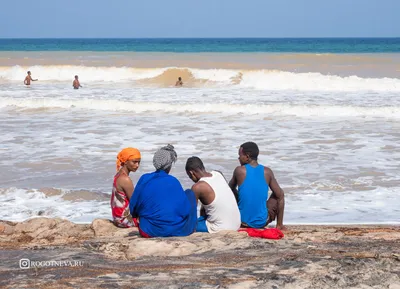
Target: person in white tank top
[[219, 207]]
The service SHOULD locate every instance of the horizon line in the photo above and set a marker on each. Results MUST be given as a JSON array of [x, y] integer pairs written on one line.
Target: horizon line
[[239, 37]]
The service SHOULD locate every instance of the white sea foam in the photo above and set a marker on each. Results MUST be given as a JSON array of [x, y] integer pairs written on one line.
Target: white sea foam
[[280, 80], [213, 108], [21, 204], [256, 79], [88, 74], [334, 149]]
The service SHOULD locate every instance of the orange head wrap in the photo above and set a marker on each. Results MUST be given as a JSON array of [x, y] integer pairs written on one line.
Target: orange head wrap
[[127, 154]]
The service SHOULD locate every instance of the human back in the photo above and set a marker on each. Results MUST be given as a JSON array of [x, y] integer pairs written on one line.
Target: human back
[[223, 212], [162, 205], [164, 209], [250, 183], [253, 196], [218, 202]]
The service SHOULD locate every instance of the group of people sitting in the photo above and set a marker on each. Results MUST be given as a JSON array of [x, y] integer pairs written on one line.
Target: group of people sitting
[[160, 207]]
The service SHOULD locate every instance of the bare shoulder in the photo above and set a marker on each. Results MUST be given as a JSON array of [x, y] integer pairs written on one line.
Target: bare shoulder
[[196, 187], [268, 174], [268, 171], [124, 179], [200, 187], [239, 170]]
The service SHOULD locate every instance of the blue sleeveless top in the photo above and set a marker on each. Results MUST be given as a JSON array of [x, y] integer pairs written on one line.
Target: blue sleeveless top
[[253, 195]]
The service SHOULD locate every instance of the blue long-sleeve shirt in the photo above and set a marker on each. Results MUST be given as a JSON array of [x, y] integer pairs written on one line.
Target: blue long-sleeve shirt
[[163, 207]]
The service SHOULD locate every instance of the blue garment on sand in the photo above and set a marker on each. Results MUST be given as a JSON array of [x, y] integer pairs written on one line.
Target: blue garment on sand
[[253, 195], [201, 225], [163, 207]]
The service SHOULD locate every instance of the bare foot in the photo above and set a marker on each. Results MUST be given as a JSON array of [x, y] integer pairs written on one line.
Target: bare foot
[[281, 227]]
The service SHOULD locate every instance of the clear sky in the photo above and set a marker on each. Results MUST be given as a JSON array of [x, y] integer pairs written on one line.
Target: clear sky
[[199, 18]]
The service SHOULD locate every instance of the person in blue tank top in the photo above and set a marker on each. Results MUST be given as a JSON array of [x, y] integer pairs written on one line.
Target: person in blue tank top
[[250, 184], [163, 208]]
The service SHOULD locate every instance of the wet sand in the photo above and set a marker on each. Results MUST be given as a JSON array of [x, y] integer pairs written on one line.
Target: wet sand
[[307, 257]]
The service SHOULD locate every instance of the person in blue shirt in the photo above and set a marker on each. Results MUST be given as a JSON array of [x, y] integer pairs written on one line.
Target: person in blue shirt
[[163, 208], [250, 184]]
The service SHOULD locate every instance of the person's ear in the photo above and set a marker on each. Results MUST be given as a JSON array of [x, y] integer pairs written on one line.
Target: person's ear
[[193, 176]]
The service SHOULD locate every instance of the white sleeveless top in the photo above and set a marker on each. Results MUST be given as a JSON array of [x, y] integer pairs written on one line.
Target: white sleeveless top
[[223, 213]]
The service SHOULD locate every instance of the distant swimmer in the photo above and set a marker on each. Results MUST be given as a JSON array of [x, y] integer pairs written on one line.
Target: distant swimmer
[[76, 84], [179, 82], [28, 79]]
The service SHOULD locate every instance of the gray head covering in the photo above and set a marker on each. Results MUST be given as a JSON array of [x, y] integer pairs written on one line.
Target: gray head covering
[[164, 157]]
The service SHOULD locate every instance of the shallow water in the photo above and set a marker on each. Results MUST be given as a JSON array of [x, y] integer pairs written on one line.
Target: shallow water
[[331, 140]]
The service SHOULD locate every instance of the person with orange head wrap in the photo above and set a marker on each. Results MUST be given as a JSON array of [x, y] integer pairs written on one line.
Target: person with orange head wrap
[[128, 160], [127, 154]]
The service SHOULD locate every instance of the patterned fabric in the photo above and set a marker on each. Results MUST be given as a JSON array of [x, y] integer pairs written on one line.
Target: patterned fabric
[[164, 157], [120, 207]]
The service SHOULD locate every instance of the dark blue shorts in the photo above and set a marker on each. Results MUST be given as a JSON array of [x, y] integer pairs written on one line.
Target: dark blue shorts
[[201, 225]]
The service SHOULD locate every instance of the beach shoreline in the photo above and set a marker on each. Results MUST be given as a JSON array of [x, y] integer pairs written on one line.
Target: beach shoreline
[[311, 256]]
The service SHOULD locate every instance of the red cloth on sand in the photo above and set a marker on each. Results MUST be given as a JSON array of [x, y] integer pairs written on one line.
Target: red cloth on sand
[[143, 234], [272, 233]]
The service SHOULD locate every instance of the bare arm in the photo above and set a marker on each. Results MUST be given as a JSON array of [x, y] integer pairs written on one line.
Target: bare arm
[[32, 78], [203, 192], [278, 194], [197, 192], [233, 183], [126, 185]]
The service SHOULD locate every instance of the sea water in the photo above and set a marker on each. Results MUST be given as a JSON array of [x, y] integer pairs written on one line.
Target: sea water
[[326, 119]]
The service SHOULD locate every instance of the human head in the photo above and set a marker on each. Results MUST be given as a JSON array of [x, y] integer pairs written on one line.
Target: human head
[[76, 76], [29, 73], [247, 152], [194, 167], [129, 158], [164, 158], [180, 78]]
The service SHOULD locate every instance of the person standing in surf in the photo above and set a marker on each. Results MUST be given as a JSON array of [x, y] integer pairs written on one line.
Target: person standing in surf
[[128, 160], [76, 84], [28, 79], [250, 184], [179, 82]]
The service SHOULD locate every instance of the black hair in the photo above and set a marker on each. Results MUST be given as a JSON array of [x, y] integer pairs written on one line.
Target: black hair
[[250, 148], [194, 164], [179, 78]]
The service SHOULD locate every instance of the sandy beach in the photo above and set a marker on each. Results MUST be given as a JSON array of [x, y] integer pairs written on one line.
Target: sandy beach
[[107, 257]]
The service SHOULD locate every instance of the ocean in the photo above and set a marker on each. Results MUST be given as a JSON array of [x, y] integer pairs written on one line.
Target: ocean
[[324, 112]]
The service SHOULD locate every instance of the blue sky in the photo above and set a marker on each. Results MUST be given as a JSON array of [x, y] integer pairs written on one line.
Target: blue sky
[[199, 18]]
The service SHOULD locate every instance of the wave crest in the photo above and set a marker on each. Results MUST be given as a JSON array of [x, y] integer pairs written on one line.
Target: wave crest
[[391, 112], [256, 79]]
